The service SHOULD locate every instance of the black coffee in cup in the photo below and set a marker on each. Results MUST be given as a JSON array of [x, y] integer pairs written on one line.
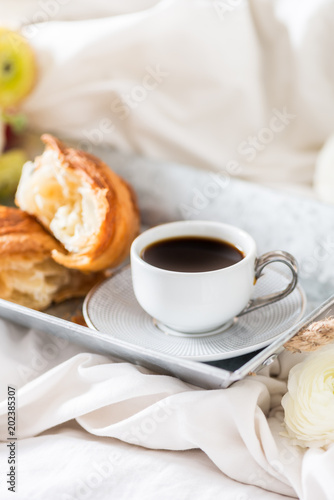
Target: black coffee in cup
[[191, 254]]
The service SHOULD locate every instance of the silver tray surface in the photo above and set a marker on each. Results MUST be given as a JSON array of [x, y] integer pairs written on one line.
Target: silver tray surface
[[276, 220]]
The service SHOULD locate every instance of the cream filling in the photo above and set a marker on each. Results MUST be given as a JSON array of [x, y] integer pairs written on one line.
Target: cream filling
[[60, 199]]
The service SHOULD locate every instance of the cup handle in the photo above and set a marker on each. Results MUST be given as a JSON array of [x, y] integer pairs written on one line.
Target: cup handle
[[260, 263]]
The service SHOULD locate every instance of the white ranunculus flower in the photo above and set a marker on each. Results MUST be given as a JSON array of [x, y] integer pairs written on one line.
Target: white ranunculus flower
[[309, 402]]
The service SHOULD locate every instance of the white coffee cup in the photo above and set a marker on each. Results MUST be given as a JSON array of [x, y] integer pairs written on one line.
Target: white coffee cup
[[196, 302]]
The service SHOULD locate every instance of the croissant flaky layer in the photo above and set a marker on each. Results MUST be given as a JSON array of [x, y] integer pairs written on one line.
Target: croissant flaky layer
[[28, 274], [83, 203]]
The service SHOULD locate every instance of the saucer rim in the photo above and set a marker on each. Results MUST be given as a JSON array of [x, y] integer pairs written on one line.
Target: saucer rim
[[202, 358]]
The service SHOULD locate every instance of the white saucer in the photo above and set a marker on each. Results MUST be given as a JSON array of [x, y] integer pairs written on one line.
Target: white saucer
[[112, 308]]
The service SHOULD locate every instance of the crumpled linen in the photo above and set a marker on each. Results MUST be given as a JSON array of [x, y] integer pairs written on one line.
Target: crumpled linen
[[200, 82], [172, 80], [238, 428], [66, 463]]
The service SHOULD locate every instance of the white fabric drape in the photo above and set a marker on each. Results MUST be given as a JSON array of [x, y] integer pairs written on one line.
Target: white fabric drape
[[200, 82], [238, 428]]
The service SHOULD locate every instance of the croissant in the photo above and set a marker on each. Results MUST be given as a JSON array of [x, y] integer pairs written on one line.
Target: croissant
[[83, 203], [28, 274]]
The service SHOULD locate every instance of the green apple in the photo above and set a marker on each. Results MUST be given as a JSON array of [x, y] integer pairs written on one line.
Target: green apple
[[11, 164], [17, 68]]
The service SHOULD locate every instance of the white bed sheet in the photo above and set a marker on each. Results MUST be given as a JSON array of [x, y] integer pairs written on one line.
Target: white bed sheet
[[204, 127]]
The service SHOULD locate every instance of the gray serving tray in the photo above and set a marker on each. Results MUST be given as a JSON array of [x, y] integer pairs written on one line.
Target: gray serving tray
[[167, 192], [214, 375]]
